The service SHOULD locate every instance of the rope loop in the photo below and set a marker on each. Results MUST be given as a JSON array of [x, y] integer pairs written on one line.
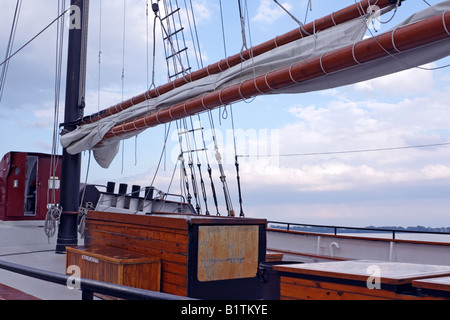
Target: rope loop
[[443, 22]]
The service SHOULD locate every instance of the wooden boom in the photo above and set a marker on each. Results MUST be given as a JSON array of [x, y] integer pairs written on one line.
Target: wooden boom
[[403, 39], [347, 14]]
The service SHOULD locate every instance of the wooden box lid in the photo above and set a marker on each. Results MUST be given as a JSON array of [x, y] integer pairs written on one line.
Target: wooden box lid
[[438, 283], [114, 255], [394, 273]]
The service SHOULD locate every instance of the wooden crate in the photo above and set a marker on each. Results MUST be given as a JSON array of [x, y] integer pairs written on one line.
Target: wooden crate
[[347, 280], [272, 257], [116, 266], [201, 256], [438, 287]]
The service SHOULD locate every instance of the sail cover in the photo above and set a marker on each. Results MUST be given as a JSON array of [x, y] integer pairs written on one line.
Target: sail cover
[[91, 136]]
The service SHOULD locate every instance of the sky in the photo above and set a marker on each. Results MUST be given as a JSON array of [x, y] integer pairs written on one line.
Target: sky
[[295, 171]]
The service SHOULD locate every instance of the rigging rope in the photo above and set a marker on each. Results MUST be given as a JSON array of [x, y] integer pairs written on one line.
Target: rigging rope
[[9, 47], [54, 211], [393, 43], [226, 191], [123, 68], [35, 37], [99, 55], [184, 175], [347, 151], [236, 163], [82, 210], [191, 166], [199, 167], [287, 11], [242, 19], [223, 29]]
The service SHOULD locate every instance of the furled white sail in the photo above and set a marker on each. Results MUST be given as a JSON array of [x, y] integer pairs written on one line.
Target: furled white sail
[[88, 136]]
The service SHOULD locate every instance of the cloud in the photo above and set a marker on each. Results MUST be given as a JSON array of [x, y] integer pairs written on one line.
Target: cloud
[[401, 83], [268, 12], [337, 123]]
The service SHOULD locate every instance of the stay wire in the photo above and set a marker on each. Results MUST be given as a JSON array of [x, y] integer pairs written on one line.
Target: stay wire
[[54, 159], [123, 69], [183, 172], [10, 46], [36, 36], [236, 163], [213, 188], [99, 55], [191, 166], [223, 29], [348, 151], [199, 167]]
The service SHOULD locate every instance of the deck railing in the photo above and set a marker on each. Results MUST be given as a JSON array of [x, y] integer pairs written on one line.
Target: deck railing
[[313, 228], [89, 287]]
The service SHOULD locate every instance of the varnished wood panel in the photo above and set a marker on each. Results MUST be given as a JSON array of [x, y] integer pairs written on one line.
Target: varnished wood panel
[[227, 252], [439, 283], [305, 289], [117, 266], [175, 240], [152, 221], [297, 292], [392, 273], [152, 236]]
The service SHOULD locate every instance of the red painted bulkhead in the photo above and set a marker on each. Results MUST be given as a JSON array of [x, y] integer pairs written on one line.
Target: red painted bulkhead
[[24, 182]]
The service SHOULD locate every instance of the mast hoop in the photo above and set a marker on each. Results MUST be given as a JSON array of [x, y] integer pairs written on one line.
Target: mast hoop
[[332, 19], [228, 62], [321, 64], [157, 117], [220, 97], [256, 86], [353, 54], [170, 114], [267, 83], [184, 108], [240, 93], [290, 74], [207, 70], [393, 41], [134, 125], [218, 66], [443, 22], [275, 41], [203, 102]]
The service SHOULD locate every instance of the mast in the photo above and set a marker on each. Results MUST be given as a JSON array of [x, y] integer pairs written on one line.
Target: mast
[[75, 99]]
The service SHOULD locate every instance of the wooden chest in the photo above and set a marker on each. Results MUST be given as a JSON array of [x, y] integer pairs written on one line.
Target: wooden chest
[[114, 265], [205, 257], [355, 280], [438, 287]]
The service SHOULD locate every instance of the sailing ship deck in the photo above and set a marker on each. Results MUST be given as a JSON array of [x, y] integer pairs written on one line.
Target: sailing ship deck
[[40, 254]]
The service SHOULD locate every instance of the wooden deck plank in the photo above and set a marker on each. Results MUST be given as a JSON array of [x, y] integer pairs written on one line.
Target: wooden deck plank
[[8, 293]]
